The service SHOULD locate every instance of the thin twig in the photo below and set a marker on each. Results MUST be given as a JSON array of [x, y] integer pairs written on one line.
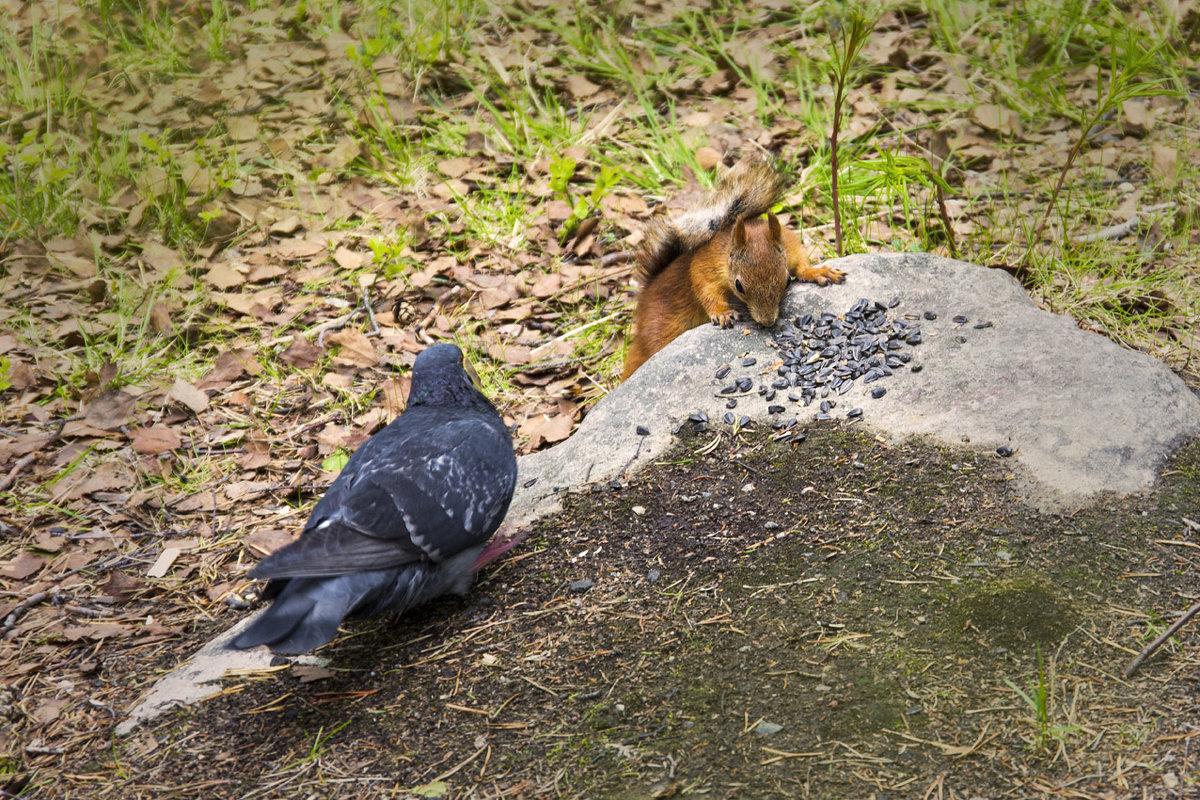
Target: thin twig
[[1157, 643], [11, 477]]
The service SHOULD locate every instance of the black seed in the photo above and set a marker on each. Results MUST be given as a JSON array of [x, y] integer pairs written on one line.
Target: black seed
[[749, 362], [729, 418], [845, 387], [960, 319], [854, 413], [981, 325], [930, 315], [731, 402], [529, 482], [723, 371], [798, 438], [642, 430], [777, 424], [878, 392], [960, 339], [730, 389], [698, 416], [1004, 451], [906, 357], [827, 404], [774, 409], [914, 339], [702, 427], [781, 383], [743, 422], [894, 302], [743, 384], [770, 395], [823, 416], [916, 368]]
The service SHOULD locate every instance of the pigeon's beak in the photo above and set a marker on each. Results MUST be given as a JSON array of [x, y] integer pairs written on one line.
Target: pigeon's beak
[[472, 374]]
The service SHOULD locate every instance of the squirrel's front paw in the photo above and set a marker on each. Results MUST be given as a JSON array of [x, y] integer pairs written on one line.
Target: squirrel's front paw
[[724, 319], [824, 275]]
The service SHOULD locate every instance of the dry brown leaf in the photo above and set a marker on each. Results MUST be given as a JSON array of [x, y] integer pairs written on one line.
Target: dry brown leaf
[[22, 566], [543, 429], [580, 87], [223, 276], [454, 167], [348, 259], [298, 247], [156, 439], [302, 353], [110, 410], [121, 586], [264, 542], [1165, 159], [357, 349], [242, 128], [160, 318], [99, 630], [189, 395], [998, 119], [49, 710]]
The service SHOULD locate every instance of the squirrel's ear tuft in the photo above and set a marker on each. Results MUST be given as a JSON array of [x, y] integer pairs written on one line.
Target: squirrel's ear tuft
[[739, 234], [774, 228]]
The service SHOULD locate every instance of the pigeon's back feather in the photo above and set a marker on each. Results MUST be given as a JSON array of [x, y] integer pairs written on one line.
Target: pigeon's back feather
[[405, 520]]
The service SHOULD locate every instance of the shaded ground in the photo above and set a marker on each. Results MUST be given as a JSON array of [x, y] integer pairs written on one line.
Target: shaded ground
[[886, 610]]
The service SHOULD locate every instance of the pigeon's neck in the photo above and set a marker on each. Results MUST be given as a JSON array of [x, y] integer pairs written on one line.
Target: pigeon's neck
[[459, 394]]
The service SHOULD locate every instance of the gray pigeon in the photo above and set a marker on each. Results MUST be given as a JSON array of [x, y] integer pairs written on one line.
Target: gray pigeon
[[409, 517]]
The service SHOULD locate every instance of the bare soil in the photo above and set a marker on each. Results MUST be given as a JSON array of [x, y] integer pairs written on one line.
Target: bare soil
[[836, 618]]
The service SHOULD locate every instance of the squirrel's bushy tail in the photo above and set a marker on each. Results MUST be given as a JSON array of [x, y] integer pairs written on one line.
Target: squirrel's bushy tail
[[747, 190]]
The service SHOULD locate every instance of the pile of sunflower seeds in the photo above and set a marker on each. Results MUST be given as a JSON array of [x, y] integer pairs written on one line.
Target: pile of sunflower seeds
[[823, 356]]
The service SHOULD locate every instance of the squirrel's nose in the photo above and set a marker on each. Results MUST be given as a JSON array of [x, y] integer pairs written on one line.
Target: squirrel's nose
[[765, 318]]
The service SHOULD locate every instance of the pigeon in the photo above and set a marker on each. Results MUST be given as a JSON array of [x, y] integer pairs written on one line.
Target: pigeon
[[408, 519]]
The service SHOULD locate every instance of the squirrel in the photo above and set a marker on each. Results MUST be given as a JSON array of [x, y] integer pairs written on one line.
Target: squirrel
[[709, 262]]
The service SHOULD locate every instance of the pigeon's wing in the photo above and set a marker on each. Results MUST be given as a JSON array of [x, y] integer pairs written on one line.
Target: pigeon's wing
[[406, 498]]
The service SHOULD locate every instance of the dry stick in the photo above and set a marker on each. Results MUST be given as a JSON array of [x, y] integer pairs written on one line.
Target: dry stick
[[941, 200], [11, 477], [1123, 229], [1157, 643]]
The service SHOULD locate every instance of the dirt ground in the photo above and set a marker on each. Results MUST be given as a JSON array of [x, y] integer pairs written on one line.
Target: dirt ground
[[834, 618]]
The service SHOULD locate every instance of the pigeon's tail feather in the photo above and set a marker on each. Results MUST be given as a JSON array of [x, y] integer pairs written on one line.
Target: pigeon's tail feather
[[308, 611]]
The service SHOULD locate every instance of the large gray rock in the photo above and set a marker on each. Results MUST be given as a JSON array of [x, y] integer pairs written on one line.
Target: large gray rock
[[1082, 414]]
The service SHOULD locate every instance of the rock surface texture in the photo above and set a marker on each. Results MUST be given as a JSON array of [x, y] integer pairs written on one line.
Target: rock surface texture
[[1081, 415]]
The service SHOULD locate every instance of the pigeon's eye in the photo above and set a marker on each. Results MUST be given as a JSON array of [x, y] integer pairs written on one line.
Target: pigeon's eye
[[737, 286]]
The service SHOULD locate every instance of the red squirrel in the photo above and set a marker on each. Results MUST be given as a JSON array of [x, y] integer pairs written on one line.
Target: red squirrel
[[708, 263]]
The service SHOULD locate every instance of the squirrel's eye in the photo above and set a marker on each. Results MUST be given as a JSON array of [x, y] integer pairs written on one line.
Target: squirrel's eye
[[737, 286]]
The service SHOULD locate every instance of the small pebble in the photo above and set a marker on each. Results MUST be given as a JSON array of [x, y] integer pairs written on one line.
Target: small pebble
[[765, 728], [653, 576], [582, 585], [1004, 451], [642, 430], [916, 368]]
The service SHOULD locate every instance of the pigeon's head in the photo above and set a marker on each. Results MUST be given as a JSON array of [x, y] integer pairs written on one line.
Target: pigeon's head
[[441, 376]]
